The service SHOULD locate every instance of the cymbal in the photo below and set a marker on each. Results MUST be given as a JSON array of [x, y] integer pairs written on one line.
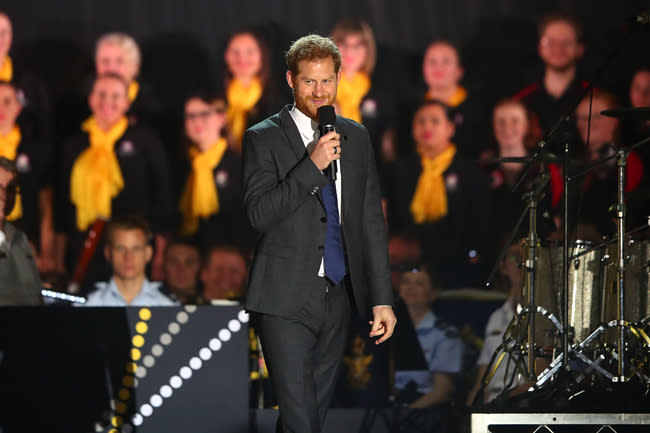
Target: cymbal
[[628, 113], [546, 157]]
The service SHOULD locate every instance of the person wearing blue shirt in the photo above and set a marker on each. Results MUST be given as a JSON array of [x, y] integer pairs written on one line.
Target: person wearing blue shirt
[[128, 251], [440, 343]]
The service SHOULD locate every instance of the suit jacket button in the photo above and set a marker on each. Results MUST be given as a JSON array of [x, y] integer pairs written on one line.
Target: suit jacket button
[[323, 220], [321, 248]]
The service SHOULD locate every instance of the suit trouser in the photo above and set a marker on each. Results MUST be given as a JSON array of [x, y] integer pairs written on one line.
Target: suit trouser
[[303, 354]]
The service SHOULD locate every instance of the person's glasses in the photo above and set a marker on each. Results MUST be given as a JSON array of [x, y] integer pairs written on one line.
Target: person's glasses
[[203, 115], [562, 43]]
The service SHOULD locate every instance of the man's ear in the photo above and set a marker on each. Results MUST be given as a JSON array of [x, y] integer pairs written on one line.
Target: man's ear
[[290, 79], [107, 252], [148, 253]]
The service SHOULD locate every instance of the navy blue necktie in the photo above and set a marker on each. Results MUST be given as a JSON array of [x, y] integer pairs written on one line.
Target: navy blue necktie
[[333, 257]]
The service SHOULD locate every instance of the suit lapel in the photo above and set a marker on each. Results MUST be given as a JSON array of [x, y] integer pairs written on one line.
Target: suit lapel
[[292, 133], [295, 141]]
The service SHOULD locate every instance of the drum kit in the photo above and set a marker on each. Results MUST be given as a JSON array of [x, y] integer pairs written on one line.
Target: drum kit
[[584, 317]]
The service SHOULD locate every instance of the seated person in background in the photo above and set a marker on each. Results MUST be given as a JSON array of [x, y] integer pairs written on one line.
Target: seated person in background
[[511, 132], [510, 279], [640, 88], [404, 250], [444, 199], [224, 274], [594, 193], [128, 251], [36, 116], [108, 169], [19, 280], [358, 96], [181, 266], [636, 130], [251, 95], [440, 343], [118, 53], [560, 48], [442, 72], [32, 212], [212, 212]]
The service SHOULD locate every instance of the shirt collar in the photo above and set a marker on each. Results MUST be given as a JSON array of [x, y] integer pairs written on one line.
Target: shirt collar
[[306, 126], [9, 232], [507, 306], [427, 322], [145, 289]]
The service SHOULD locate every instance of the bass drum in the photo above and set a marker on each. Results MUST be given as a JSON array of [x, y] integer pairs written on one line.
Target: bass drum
[[585, 286]]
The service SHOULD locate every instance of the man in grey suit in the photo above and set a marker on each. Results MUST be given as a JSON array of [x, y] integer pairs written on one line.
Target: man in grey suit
[[20, 283], [323, 249]]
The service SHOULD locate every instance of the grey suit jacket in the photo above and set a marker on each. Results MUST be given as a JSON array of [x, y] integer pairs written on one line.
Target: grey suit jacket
[[20, 283], [282, 200]]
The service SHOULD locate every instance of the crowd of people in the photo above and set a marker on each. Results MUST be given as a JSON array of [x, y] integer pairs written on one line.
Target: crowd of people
[[175, 230]]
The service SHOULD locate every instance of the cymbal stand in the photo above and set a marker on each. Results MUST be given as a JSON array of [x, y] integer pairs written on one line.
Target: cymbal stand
[[530, 265], [620, 216], [515, 346]]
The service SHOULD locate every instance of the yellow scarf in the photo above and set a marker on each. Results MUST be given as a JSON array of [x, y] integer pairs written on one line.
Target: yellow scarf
[[456, 99], [8, 147], [350, 93], [133, 90], [429, 202], [200, 197], [9, 143], [96, 177], [240, 100], [7, 71]]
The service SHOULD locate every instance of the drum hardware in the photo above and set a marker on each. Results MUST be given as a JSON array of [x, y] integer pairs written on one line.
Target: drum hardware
[[593, 366], [592, 360], [546, 157], [515, 348], [532, 197], [577, 350], [532, 243], [636, 344], [609, 241], [628, 113], [620, 213]]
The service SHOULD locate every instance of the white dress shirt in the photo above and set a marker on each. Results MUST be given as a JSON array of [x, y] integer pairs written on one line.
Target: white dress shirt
[[309, 133]]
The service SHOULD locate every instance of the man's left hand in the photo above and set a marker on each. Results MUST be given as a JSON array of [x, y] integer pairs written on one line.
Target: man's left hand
[[383, 323]]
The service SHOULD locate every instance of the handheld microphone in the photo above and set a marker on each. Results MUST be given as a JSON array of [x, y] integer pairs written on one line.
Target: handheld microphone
[[327, 118]]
